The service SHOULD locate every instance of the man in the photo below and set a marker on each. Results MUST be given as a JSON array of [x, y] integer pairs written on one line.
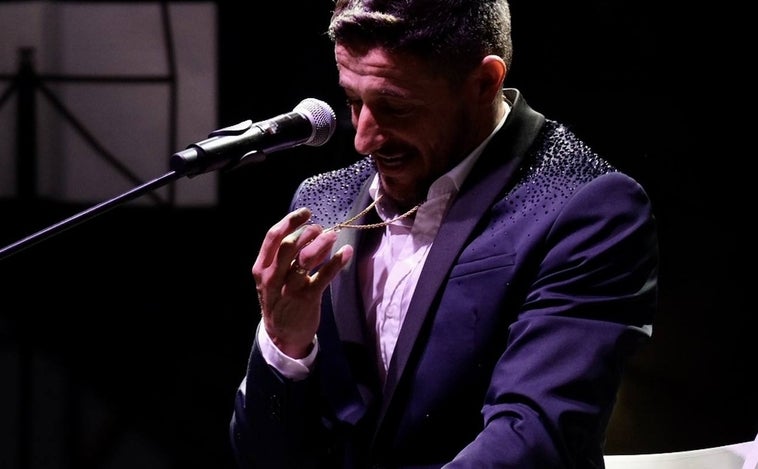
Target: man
[[465, 295]]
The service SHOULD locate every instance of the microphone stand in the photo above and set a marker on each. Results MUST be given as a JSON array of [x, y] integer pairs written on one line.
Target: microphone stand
[[312, 122], [88, 214]]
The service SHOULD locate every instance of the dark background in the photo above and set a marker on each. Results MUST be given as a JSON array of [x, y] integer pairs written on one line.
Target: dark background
[[128, 335]]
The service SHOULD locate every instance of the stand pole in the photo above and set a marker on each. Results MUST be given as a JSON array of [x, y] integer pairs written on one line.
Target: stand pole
[[87, 214]]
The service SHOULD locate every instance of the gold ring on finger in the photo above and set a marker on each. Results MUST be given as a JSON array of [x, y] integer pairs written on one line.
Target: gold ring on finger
[[297, 268]]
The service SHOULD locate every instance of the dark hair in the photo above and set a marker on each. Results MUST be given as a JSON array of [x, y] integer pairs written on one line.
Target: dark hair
[[453, 35]]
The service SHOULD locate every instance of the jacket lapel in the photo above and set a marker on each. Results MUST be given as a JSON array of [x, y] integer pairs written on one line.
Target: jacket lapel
[[490, 177]]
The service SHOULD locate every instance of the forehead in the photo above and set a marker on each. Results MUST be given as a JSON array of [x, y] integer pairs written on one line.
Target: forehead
[[377, 67]]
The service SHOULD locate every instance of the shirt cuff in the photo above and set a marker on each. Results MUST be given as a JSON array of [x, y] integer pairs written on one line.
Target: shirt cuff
[[293, 368]]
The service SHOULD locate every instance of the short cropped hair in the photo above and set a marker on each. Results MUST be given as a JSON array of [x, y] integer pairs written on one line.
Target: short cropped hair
[[452, 35]]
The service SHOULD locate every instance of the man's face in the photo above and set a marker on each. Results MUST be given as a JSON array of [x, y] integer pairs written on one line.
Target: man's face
[[411, 120]]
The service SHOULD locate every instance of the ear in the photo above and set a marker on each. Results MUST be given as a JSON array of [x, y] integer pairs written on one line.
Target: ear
[[491, 77]]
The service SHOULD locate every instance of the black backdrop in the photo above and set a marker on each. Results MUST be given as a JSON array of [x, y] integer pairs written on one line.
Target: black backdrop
[[149, 312]]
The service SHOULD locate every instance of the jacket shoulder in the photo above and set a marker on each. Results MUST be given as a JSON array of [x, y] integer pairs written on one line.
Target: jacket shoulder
[[330, 195], [560, 157]]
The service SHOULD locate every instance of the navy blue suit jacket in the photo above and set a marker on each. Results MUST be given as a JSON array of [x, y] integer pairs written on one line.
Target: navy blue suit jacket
[[540, 284]]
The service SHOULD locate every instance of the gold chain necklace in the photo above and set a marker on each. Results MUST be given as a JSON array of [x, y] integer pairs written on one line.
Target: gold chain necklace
[[349, 223]]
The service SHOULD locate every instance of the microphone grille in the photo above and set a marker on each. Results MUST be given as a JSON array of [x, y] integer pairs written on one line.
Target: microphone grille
[[322, 118]]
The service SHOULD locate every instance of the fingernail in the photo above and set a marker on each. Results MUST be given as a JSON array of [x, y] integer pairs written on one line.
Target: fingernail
[[344, 252], [302, 211], [298, 231]]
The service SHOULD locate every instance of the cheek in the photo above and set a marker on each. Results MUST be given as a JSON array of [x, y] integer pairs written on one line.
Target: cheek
[[461, 135], [433, 129], [438, 145]]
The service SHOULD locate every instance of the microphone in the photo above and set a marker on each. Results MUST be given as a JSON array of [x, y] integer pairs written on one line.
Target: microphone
[[312, 123]]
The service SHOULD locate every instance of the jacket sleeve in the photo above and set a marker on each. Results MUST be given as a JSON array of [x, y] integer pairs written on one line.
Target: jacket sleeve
[[274, 422], [588, 307]]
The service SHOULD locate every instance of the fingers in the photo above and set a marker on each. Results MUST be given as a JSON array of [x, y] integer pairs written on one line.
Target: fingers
[[314, 247], [293, 243], [316, 254], [289, 255], [294, 247], [276, 234], [331, 268]]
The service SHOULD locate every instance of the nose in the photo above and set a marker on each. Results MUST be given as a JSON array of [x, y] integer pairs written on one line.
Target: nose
[[369, 136]]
